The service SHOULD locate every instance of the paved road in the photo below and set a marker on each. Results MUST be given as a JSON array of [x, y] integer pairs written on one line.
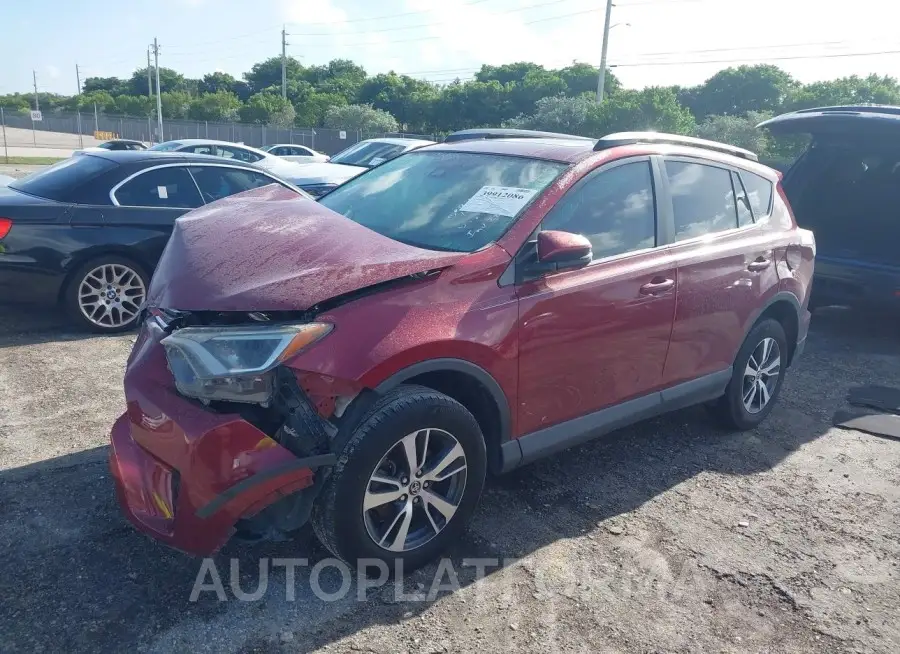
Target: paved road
[[668, 537]]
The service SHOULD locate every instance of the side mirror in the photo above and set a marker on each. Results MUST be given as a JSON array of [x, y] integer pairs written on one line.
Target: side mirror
[[563, 250]]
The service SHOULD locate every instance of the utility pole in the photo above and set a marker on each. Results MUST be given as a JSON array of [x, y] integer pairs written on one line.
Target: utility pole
[[37, 104], [78, 115], [150, 97], [283, 63], [601, 80], [158, 98]]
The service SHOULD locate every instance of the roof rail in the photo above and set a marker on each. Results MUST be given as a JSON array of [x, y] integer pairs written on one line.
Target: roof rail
[[502, 133], [634, 138], [854, 108]]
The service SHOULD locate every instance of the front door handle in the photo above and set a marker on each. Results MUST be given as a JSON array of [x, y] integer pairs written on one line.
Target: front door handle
[[761, 263], [657, 285]]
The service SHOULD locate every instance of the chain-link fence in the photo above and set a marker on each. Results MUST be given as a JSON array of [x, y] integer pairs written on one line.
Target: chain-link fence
[[56, 130]]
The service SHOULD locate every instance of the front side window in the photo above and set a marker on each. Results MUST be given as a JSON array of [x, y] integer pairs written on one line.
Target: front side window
[[240, 154], [614, 209], [170, 187], [217, 182], [702, 199], [168, 146], [457, 201], [368, 154]]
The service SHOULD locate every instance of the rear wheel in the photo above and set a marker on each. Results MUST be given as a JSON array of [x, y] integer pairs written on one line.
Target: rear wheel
[[105, 294], [406, 483], [756, 381]]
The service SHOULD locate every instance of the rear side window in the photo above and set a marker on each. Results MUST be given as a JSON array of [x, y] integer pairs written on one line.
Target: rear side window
[[745, 216], [702, 198], [170, 187], [759, 192], [62, 180]]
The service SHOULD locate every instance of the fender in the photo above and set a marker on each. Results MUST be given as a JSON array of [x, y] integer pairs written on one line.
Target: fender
[[780, 296], [456, 365]]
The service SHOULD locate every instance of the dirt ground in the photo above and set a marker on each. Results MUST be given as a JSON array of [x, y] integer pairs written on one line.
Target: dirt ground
[[667, 537]]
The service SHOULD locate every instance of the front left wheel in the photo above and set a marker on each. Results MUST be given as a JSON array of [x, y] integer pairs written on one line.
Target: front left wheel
[[406, 483]]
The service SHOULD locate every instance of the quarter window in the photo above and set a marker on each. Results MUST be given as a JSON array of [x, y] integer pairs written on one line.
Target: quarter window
[[702, 198], [745, 217], [759, 192], [614, 209], [162, 187]]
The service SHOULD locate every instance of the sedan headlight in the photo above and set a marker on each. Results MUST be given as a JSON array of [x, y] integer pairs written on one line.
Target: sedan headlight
[[235, 363]]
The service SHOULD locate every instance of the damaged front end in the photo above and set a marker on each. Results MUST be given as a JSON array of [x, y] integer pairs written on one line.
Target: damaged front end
[[220, 436]]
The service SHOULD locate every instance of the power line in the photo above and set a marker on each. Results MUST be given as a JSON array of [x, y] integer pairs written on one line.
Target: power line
[[735, 61]]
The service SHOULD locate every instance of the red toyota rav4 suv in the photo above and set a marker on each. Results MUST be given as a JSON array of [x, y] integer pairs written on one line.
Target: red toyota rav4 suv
[[361, 362]]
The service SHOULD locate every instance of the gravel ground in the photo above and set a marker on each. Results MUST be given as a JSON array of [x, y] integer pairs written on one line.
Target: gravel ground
[[670, 536]]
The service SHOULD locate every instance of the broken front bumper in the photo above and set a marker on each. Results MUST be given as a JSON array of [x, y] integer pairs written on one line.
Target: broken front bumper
[[184, 474]]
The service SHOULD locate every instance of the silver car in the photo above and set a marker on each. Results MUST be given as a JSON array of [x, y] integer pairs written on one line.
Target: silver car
[[287, 170]]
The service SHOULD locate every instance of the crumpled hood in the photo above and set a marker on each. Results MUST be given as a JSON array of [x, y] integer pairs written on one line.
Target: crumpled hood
[[268, 250]]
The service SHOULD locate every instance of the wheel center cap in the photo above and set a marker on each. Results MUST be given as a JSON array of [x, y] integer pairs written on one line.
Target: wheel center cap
[[111, 293], [415, 487]]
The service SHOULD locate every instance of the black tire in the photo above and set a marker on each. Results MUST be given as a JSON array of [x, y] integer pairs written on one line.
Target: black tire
[[337, 518], [71, 294], [730, 409]]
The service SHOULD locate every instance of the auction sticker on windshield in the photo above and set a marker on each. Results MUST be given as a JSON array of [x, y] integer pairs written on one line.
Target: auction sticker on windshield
[[499, 200]]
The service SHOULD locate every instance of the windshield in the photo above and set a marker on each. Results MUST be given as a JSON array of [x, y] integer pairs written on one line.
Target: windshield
[[167, 146], [60, 180], [456, 201], [368, 153]]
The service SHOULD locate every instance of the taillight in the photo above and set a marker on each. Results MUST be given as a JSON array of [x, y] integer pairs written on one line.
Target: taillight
[[5, 226]]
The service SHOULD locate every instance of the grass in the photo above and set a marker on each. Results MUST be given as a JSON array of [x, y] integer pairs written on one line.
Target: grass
[[34, 161]]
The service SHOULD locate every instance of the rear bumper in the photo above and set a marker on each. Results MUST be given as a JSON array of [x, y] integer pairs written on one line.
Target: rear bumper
[[22, 282], [854, 283]]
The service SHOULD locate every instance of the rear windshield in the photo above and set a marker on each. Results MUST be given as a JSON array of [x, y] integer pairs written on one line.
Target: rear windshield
[[167, 147], [368, 154], [456, 201], [60, 181]]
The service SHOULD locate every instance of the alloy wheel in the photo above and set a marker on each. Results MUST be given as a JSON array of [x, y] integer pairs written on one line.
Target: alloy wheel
[[415, 490], [761, 375], [111, 295]]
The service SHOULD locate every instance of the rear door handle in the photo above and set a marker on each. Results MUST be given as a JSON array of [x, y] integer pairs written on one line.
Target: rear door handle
[[657, 285], [761, 263]]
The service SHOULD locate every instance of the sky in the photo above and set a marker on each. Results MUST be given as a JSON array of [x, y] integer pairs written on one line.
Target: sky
[[652, 42]]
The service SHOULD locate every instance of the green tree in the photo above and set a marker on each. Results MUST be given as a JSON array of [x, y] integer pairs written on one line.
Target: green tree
[[737, 130], [582, 78], [268, 73], [175, 104], [874, 89], [363, 117], [102, 99], [222, 105], [735, 91], [268, 109], [470, 104], [409, 100], [508, 73], [112, 85], [340, 76], [169, 81], [650, 109], [559, 114], [131, 105], [310, 111]]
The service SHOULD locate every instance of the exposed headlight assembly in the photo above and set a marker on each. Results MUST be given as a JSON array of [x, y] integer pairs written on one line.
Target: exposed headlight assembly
[[235, 364]]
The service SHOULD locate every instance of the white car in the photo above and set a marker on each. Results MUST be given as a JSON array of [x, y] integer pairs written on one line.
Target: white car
[[298, 153], [287, 170], [317, 179]]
